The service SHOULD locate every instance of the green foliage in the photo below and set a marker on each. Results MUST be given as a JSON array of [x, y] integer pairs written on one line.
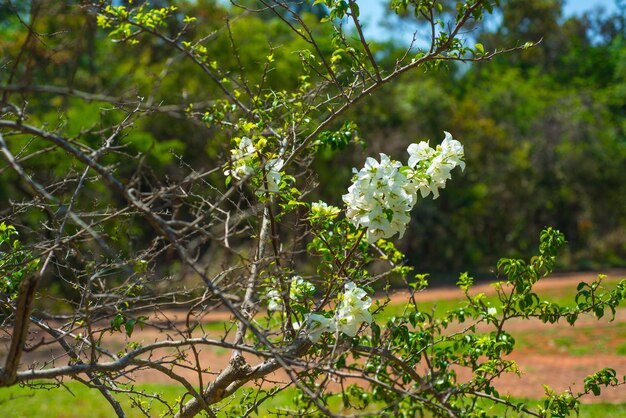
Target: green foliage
[[419, 337], [129, 324], [604, 377], [339, 140], [15, 261], [123, 22]]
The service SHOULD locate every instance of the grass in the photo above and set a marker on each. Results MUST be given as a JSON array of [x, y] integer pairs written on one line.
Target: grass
[[73, 400], [77, 401], [563, 297], [598, 410], [602, 410], [601, 338]]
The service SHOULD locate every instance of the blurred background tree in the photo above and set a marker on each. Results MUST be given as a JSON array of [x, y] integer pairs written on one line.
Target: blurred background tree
[[544, 130]]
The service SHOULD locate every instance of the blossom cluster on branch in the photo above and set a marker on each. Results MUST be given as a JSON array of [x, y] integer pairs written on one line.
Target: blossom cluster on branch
[[298, 290], [244, 162], [244, 159], [352, 311], [383, 193]]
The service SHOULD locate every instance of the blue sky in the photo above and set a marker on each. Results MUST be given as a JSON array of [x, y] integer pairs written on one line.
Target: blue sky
[[372, 11], [580, 6]]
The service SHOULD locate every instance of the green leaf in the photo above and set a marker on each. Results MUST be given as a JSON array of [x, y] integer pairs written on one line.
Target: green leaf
[[465, 282], [117, 322], [129, 326]]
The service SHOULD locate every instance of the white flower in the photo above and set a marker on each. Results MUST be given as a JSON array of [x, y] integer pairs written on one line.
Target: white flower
[[439, 173], [273, 175], [419, 152], [353, 310], [319, 324], [245, 148], [452, 150], [491, 311], [245, 162], [433, 166], [243, 159], [241, 171], [274, 301], [300, 288]]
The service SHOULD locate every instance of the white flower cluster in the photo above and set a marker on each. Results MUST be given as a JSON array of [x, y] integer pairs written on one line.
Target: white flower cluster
[[274, 301], [432, 167], [272, 168], [349, 315], [298, 289], [380, 198], [383, 193], [245, 160]]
